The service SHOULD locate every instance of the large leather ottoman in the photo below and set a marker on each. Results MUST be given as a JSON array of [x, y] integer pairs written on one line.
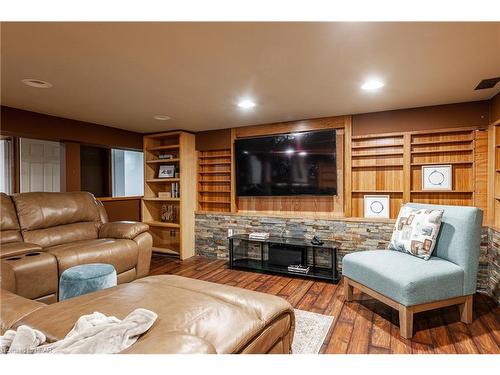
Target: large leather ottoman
[[193, 316]]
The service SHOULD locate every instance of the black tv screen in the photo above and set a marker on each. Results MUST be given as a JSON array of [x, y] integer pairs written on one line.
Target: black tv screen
[[287, 164]]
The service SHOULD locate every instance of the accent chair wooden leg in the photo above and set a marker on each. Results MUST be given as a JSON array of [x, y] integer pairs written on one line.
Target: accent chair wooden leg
[[466, 310], [347, 290], [405, 322]]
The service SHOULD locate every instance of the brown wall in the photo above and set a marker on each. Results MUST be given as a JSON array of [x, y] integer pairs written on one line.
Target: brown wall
[[213, 140], [495, 108], [19, 123], [73, 182], [127, 209], [423, 118]]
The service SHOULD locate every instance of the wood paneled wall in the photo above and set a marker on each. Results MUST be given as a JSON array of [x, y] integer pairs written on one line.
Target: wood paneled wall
[[379, 163], [311, 206], [391, 164]]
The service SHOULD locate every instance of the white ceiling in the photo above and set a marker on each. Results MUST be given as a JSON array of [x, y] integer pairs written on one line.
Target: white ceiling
[[121, 74]]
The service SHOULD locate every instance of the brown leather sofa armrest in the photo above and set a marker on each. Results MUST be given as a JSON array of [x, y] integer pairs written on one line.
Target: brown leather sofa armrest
[[122, 229], [13, 308], [12, 249]]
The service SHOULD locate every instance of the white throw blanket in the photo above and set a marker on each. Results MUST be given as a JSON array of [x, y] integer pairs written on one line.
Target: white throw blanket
[[92, 334]]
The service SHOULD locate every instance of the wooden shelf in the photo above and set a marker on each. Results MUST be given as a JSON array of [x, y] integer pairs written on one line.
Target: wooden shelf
[[165, 135], [379, 191], [215, 163], [217, 180], [214, 172], [215, 156], [443, 163], [442, 142], [378, 165], [385, 153], [162, 199], [162, 224], [211, 201], [174, 251], [162, 161], [214, 191], [443, 151], [377, 146], [163, 180], [374, 136], [159, 148], [443, 191]]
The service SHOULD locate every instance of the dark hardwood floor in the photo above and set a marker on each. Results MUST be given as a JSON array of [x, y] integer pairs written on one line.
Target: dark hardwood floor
[[361, 326]]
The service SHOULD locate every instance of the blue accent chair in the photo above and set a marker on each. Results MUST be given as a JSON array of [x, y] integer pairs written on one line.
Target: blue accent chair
[[410, 284], [86, 278]]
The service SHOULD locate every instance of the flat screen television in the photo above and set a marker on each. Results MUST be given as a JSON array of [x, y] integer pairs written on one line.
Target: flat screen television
[[287, 164]]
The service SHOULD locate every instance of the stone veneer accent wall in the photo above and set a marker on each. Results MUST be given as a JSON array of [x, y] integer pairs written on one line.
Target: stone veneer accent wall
[[493, 268], [354, 235]]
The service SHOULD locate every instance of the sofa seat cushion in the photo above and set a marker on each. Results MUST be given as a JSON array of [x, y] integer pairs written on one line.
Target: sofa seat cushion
[[193, 316], [17, 248], [122, 254], [403, 278]]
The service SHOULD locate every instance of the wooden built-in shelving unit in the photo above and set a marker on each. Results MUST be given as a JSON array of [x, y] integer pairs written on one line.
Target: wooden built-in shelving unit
[[177, 237], [214, 180], [370, 164], [377, 163], [391, 164]]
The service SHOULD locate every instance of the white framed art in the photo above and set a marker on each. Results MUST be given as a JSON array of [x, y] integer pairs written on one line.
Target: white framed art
[[436, 177], [166, 171], [376, 206]]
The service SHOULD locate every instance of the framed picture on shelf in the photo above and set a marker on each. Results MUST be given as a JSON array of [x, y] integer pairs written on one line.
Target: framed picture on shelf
[[166, 171], [376, 206], [436, 177]]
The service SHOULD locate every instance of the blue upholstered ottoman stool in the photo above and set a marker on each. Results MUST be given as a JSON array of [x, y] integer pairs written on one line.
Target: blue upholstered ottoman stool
[[86, 278]]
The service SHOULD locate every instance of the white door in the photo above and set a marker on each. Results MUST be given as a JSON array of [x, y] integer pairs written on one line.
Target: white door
[[40, 165]]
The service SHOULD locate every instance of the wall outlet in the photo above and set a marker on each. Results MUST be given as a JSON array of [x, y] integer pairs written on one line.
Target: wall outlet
[[230, 232]]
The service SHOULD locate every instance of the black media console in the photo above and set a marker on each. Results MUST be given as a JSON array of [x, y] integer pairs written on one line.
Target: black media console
[[275, 254]]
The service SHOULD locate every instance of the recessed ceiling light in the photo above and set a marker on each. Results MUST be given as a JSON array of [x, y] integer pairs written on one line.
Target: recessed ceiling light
[[246, 103], [38, 83], [372, 85], [161, 117]]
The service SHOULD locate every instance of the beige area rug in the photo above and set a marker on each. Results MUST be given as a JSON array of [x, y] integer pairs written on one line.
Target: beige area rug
[[310, 331]]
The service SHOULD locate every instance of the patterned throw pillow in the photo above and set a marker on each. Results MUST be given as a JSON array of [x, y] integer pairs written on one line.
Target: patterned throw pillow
[[416, 231]]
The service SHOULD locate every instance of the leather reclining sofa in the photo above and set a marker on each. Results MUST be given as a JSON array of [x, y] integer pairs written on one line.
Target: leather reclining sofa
[[43, 234]]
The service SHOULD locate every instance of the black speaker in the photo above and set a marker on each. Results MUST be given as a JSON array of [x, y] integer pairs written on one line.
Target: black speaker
[[284, 255]]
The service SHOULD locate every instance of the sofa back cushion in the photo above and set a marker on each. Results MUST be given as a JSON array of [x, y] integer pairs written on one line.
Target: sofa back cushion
[[459, 239], [9, 225], [49, 219]]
